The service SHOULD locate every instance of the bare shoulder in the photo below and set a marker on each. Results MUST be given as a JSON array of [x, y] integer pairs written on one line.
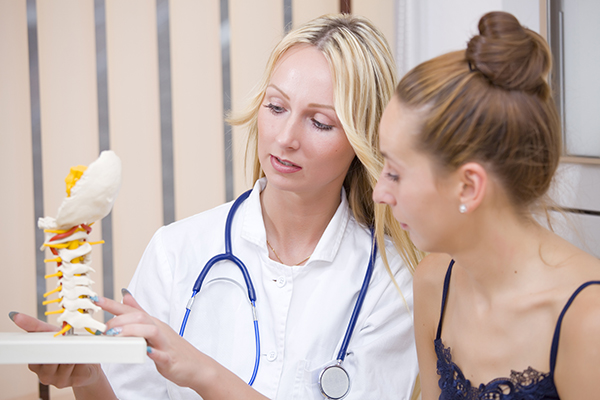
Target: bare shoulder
[[577, 368], [430, 273], [428, 285], [583, 315]]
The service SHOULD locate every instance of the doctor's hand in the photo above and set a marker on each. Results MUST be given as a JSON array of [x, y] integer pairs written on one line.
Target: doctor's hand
[[175, 358], [59, 375]]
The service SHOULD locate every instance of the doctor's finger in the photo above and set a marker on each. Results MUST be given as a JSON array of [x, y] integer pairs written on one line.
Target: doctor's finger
[[65, 375], [58, 375], [152, 333], [30, 324], [129, 300], [46, 373], [114, 307], [132, 317]]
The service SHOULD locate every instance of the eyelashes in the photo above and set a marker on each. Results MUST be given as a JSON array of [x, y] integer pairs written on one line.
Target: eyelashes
[[277, 110], [321, 126]]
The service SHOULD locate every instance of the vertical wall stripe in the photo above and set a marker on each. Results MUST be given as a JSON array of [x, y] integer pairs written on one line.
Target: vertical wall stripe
[[346, 6], [36, 150], [166, 109], [104, 144], [38, 177], [287, 15], [400, 36], [407, 24], [101, 72], [226, 65]]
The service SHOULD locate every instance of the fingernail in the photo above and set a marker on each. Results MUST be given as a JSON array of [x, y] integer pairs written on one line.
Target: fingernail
[[149, 349], [11, 315], [113, 331], [94, 299], [125, 291]]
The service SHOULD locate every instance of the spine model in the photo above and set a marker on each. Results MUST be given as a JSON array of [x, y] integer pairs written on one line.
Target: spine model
[[74, 285], [90, 196]]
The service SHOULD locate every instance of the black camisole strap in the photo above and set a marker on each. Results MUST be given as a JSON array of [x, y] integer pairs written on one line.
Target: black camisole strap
[[554, 348], [444, 296]]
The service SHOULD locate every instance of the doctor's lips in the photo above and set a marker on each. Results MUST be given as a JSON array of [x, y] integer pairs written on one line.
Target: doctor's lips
[[286, 163], [284, 166]]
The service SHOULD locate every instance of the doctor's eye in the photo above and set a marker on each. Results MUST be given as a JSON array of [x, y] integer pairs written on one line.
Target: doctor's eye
[[321, 126], [275, 109]]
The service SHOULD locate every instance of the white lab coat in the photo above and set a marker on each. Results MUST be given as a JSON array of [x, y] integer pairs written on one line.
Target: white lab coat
[[303, 311]]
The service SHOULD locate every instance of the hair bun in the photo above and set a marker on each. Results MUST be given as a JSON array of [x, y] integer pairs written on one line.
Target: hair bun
[[509, 55]]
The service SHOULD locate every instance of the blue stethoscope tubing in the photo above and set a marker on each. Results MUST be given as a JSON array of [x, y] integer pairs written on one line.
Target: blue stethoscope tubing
[[229, 256], [334, 381], [359, 302]]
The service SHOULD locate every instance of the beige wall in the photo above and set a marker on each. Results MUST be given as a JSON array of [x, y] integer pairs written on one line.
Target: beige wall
[[69, 122], [16, 210], [196, 85]]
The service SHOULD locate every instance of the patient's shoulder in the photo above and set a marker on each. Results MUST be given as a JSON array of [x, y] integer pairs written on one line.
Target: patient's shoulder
[[428, 285], [431, 271]]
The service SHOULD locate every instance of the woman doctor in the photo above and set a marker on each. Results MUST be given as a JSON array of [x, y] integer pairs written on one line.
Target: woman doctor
[[304, 235]]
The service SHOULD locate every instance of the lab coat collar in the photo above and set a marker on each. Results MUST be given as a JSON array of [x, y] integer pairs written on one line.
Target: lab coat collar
[[253, 228]]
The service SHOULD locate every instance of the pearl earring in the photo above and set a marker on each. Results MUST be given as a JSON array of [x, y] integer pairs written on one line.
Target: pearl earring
[[462, 208]]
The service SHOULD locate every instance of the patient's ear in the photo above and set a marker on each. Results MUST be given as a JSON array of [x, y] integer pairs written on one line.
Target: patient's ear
[[473, 180]]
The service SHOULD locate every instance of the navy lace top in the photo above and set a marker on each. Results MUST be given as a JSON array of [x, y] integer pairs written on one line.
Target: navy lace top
[[527, 385]]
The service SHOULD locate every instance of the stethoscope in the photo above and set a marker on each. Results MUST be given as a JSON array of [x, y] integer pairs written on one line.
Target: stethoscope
[[334, 381]]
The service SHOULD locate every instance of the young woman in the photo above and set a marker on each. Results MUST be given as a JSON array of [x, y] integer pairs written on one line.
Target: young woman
[[304, 234], [471, 141]]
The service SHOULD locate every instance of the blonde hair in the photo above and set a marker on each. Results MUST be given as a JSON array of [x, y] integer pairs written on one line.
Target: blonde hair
[[364, 78]]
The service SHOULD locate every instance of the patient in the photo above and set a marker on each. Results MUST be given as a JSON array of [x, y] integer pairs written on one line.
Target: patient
[[471, 142]]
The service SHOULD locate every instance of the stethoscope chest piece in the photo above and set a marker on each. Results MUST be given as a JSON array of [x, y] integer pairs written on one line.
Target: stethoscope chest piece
[[334, 382]]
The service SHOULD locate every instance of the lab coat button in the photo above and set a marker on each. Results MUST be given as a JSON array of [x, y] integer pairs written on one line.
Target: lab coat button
[[272, 356], [280, 281]]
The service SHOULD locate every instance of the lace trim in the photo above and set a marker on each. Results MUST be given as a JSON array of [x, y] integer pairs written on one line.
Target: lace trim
[[527, 385]]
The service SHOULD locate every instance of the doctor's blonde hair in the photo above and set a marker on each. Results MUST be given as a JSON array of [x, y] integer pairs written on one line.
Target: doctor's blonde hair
[[364, 79]]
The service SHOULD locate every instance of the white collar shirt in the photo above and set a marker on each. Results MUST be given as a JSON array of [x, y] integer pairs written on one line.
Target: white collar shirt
[[303, 311]]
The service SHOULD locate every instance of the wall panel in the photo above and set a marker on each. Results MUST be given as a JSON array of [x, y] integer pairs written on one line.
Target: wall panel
[[197, 106], [256, 27], [16, 179], [133, 103], [383, 15], [305, 10]]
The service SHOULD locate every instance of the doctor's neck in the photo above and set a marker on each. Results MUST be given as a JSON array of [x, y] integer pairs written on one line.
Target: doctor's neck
[[294, 222]]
